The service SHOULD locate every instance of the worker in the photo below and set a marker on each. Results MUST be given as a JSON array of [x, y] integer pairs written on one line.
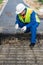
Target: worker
[[27, 19]]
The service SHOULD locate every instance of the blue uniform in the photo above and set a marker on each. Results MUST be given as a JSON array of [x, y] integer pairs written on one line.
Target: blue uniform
[[32, 26]]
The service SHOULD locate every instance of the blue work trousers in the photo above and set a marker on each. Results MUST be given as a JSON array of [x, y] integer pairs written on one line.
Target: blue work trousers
[[32, 29]]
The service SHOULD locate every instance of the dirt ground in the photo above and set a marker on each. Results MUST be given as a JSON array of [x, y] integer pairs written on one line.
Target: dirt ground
[[15, 50], [35, 5]]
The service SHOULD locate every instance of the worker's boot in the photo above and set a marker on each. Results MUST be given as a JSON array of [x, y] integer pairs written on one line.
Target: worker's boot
[[0, 41], [32, 45]]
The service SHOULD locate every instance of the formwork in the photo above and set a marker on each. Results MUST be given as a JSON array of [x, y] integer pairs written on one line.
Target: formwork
[[15, 50]]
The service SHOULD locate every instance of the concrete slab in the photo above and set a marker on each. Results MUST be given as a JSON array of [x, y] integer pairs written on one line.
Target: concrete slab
[[2, 7]]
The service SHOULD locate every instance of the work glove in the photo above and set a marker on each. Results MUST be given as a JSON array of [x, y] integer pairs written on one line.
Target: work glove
[[16, 26], [23, 28]]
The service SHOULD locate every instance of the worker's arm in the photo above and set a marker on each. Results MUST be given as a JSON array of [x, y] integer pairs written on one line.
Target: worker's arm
[[17, 20], [33, 20], [16, 23]]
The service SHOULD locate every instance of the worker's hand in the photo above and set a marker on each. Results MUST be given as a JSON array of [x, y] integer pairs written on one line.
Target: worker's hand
[[16, 26], [23, 28]]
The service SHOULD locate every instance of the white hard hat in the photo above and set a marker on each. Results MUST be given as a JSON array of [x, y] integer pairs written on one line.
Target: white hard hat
[[19, 8]]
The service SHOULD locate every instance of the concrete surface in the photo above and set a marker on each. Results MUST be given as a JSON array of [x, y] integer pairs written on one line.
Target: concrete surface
[[2, 7]]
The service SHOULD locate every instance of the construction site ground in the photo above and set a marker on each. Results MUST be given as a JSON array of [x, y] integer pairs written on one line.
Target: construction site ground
[[15, 50]]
